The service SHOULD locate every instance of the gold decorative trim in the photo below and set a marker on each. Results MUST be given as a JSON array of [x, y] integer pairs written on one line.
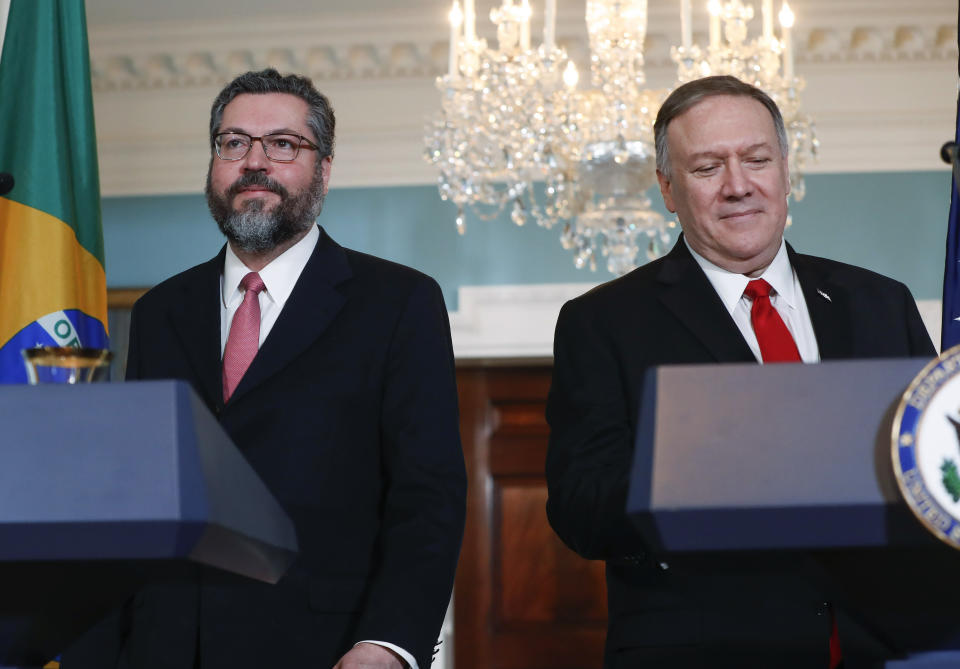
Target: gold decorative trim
[[123, 298]]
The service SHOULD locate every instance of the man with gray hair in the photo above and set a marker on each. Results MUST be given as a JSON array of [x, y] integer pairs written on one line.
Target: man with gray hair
[[333, 373], [730, 290]]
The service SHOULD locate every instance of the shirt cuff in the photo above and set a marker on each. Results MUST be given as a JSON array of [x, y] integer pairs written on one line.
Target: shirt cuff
[[407, 657]]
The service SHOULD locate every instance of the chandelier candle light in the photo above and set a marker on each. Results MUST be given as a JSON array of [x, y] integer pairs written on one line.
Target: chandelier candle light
[[513, 115], [766, 62]]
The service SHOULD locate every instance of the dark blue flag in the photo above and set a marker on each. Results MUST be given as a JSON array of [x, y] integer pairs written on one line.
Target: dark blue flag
[[950, 335]]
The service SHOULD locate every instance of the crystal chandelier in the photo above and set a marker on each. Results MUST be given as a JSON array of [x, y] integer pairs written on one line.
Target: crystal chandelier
[[512, 116], [757, 62]]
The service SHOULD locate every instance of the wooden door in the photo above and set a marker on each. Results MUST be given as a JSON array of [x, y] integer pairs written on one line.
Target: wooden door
[[522, 599]]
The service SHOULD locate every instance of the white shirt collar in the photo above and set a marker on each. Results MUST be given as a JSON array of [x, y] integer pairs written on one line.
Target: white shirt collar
[[730, 286], [279, 277]]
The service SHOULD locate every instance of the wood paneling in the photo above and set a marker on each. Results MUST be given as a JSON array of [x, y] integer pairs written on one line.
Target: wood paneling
[[523, 600]]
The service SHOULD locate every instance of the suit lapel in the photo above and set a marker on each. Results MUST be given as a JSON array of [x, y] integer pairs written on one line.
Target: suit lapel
[[308, 312], [196, 320], [688, 294], [829, 306]]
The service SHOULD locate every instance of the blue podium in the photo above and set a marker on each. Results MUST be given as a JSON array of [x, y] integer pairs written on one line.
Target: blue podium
[[106, 486], [796, 460]]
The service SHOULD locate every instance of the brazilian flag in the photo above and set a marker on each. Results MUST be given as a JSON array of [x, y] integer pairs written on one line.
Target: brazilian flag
[[52, 281]]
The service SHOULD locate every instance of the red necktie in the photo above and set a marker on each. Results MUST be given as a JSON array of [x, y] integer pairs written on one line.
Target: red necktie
[[777, 345], [244, 338]]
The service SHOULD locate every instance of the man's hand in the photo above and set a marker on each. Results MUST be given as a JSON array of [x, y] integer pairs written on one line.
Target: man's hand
[[370, 656]]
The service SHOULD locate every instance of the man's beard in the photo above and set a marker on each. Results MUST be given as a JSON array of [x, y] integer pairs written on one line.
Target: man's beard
[[256, 230]]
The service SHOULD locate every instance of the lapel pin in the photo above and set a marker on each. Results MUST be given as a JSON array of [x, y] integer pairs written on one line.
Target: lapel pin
[[824, 295]]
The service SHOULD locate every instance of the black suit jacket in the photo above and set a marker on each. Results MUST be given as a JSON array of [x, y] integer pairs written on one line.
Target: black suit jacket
[[694, 612], [349, 415]]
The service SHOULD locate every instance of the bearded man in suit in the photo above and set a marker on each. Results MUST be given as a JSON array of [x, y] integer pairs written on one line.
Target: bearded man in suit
[[333, 373], [722, 168]]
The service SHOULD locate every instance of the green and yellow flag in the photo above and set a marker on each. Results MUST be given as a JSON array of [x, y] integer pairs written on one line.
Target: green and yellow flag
[[52, 281]]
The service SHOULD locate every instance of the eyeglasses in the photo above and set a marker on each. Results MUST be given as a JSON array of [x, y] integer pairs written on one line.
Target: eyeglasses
[[278, 147]]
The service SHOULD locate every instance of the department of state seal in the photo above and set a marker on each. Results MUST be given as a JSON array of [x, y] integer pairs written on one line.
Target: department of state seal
[[926, 446]]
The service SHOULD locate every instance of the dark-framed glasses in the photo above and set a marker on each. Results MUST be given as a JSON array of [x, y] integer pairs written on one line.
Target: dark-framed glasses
[[279, 147]]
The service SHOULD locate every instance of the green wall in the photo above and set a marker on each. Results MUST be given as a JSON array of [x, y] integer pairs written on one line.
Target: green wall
[[893, 223]]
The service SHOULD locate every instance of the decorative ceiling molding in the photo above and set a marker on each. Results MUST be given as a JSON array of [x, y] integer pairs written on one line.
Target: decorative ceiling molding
[[182, 65], [881, 84]]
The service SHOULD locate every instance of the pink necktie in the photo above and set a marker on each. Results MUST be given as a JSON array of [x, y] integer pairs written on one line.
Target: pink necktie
[[776, 342], [244, 337]]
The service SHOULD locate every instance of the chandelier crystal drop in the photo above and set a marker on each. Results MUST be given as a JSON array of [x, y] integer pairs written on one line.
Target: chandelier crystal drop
[[512, 116]]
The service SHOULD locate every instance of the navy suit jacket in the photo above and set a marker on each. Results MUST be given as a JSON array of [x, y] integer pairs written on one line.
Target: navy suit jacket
[[697, 611], [349, 415]]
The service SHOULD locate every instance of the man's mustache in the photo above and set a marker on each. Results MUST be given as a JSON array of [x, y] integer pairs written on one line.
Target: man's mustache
[[257, 179]]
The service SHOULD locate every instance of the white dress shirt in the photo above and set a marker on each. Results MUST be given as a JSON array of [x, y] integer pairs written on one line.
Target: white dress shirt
[[786, 297], [279, 278]]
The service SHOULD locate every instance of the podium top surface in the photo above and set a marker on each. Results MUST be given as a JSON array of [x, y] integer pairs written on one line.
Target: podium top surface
[[106, 486], [91, 452], [780, 455], [144, 464]]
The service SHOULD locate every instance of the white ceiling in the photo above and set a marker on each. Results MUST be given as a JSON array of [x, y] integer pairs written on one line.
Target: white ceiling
[[881, 78], [106, 12]]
